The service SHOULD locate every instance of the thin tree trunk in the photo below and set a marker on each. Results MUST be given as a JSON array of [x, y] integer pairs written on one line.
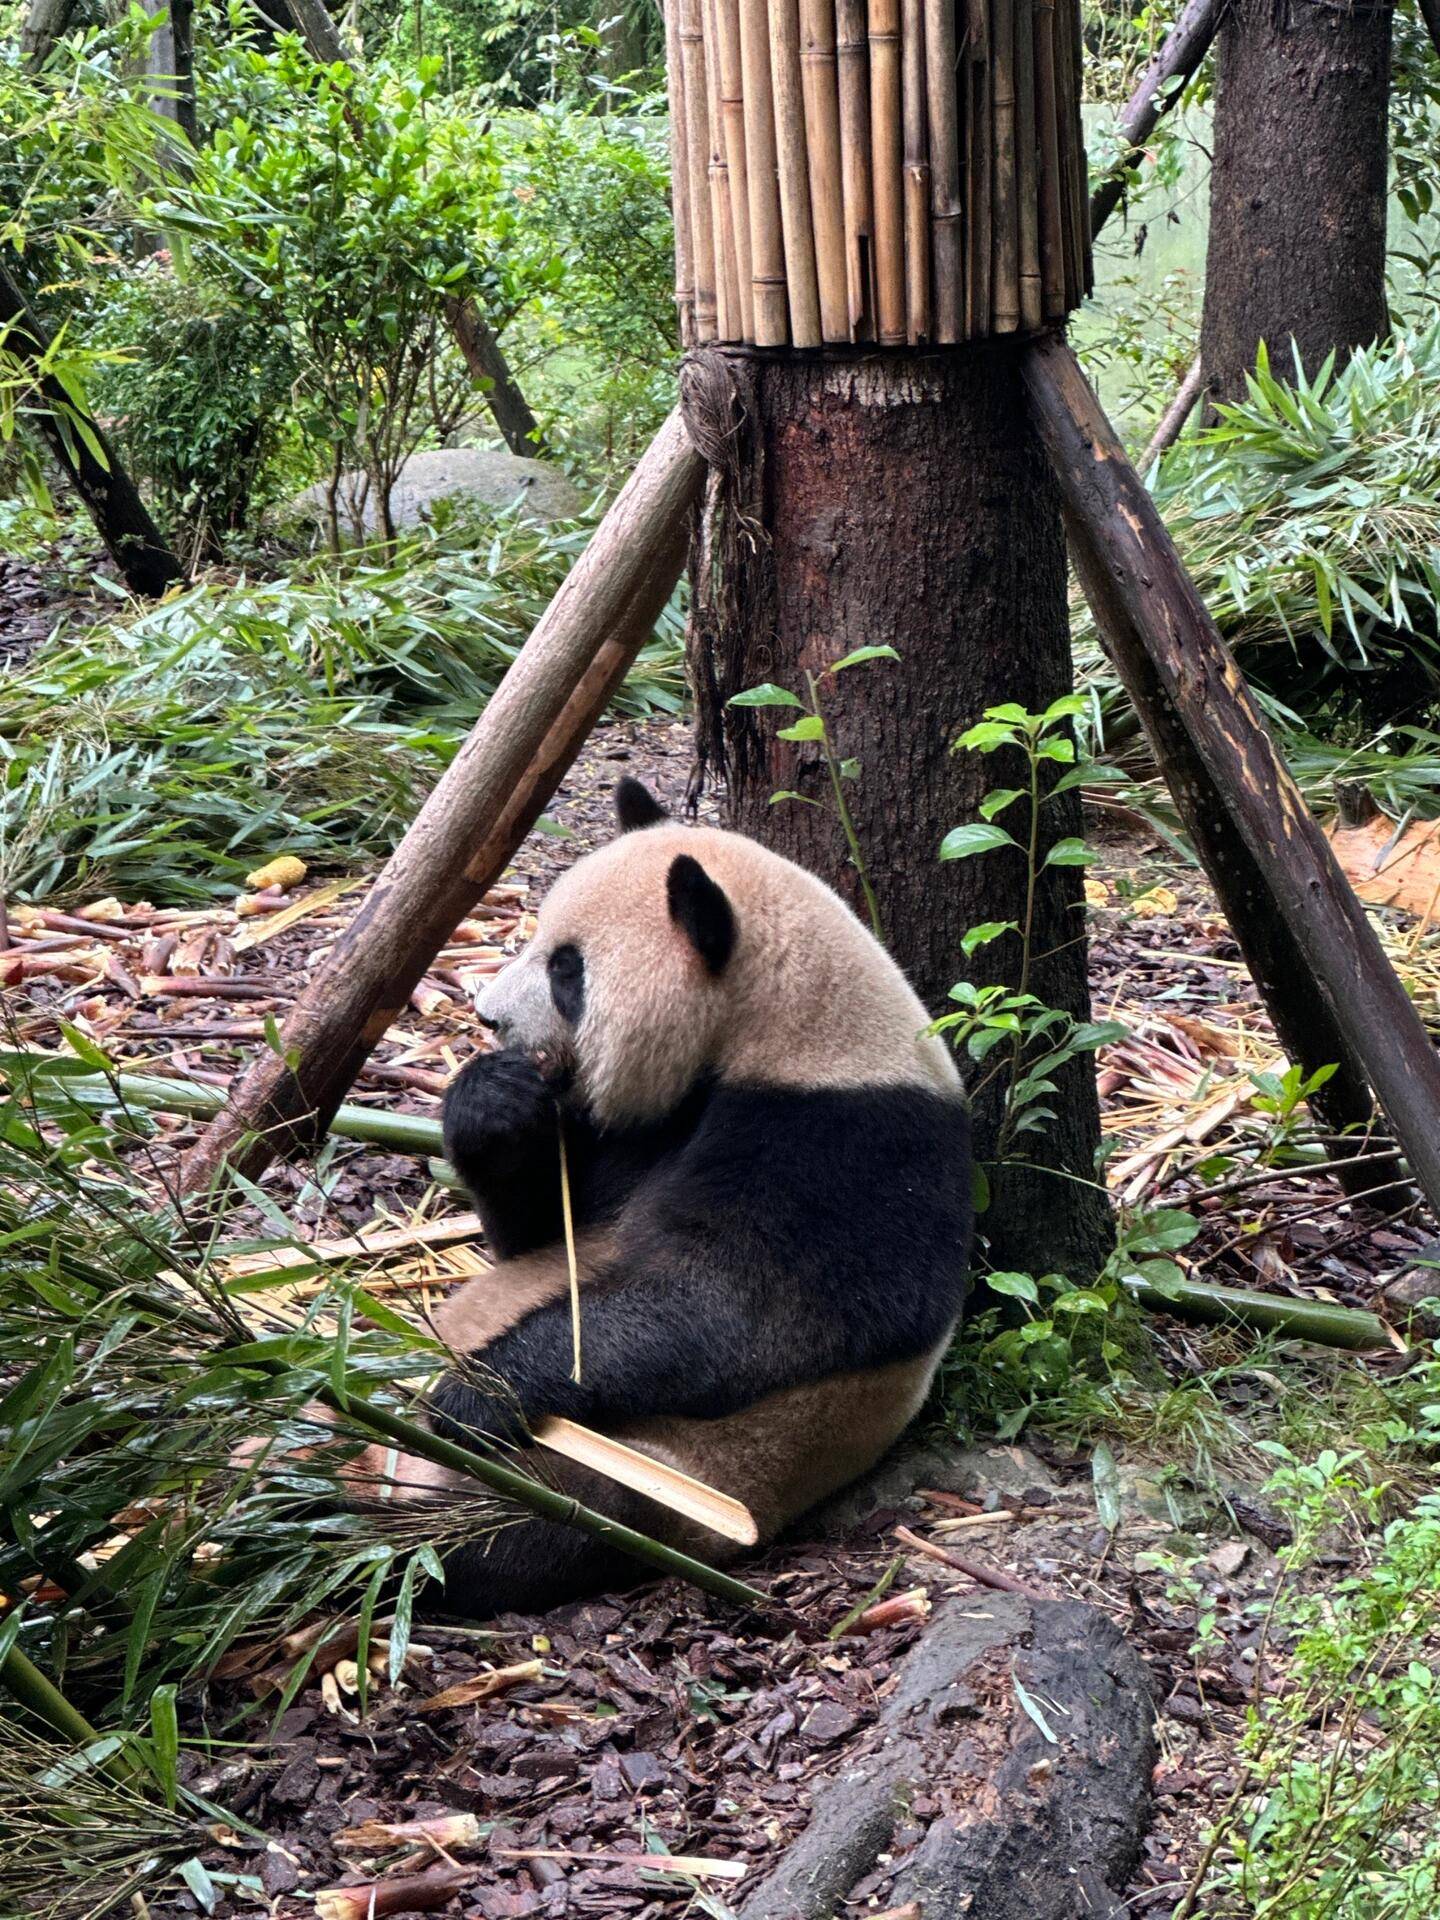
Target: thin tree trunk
[[45, 21], [169, 64], [316, 27], [1161, 84], [1145, 594], [467, 832], [131, 537], [1298, 187], [1172, 421], [906, 501]]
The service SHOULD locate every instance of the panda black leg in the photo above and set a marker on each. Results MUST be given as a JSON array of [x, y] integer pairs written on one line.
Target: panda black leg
[[534, 1565]]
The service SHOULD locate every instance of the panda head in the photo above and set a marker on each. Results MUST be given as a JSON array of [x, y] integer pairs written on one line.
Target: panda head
[[676, 952]]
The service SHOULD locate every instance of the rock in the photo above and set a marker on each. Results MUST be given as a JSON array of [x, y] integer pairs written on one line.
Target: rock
[[971, 1471], [1030, 1822], [828, 1722], [1415, 1290], [487, 477]]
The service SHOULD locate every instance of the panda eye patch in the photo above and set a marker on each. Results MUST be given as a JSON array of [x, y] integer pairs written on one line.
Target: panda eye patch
[[567, 982]]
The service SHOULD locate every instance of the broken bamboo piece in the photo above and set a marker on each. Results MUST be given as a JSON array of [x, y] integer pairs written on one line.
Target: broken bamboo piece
[[1140, 576], [793, 166], [767, 246], [886, 178], [820, 88], [479, 812], [947, 213], [853, 63], [914, 109], [679, 1492]]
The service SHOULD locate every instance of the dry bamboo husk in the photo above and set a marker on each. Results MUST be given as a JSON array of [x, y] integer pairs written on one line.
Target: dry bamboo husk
[[1005, 250], [976, 67], [728, 321], [769, 300], [679, 177], [1047, 114], [732, 123], [1027, 186], [697, 150], [853, 59], [947, 214], [917, 172], [819, 79], [794, 171], [887, 183]]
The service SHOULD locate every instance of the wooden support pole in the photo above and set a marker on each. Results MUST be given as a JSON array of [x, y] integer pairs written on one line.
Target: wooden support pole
[[1166, 77], [1172, 421], [90, 463], [45, 21], [1159, 627], [468, 830]]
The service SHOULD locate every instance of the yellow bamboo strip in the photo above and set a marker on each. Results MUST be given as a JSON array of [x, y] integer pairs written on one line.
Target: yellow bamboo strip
[[679, 177], [947, 212], [794, 171], [767, 248], [886, 172], [697, 147], [819, 80], [732, 121], [729, 324]]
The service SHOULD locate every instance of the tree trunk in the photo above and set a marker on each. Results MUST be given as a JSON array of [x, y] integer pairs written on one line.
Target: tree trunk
[[133, 540], [1161, 84], [906, 502], [45, 21], [487, 363], [1298, 187], [169, 66]]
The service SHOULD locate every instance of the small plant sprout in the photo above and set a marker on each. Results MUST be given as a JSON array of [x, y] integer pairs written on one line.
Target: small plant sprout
[[812, 726]]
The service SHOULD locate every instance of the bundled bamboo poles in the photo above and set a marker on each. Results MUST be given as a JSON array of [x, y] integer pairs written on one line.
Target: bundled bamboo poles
[[909, 172]]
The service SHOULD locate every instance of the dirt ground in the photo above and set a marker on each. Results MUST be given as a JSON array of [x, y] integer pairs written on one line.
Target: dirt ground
[[660, 1721]]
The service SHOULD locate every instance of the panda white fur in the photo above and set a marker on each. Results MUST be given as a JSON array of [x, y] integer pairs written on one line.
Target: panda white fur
[[769, 1163]]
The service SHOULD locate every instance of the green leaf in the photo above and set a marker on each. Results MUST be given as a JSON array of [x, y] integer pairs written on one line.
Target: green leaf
[[812, 727], [985, 736], [1033, 1710], [961, 842], [767, 695], [1015, 1286], [86, 1049], [1070, 853], [997, 801], [979, 1187], [165, 1741], [1105, 1475], [861, 655], [987, 931]]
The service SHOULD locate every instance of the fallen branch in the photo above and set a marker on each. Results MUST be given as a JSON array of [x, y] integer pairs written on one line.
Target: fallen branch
[[1161, 84], [972, 1569], [1172, 421]]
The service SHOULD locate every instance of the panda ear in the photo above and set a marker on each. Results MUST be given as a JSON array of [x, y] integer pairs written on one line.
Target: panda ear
[[701, 910], [636, 806]]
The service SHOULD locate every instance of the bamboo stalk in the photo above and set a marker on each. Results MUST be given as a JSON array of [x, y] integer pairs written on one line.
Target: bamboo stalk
[[732, 116], [729, 324], [1047, 114], [794, 171], [887, 183], [977, 170], [767, 249], [1027, 185], [819, 81], [697, 150], [39, 1695], [853, 59], [679, 177], [1314, 1320], [947, 213], [917, 172], [1005, 247], [681, 1492]]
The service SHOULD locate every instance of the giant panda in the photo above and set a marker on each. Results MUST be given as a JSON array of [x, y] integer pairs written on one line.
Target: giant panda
[[769, 1166]]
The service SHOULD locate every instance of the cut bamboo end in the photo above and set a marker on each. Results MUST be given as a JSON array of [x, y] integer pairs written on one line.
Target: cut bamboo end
[[907, 172]]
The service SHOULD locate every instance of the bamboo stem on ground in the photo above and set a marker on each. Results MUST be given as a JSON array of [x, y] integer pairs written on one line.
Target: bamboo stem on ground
[[918, 316], [886, 178], [853, 58], [1027, 185], [977, 169], [728, 313], [1162, 83], [468, 830], [947, 212], [794, 170], [732, 114], [767, 247], [1047, 113], [1313, 1320], [1143, 579], [39, 1695], [697, 148], [1005, 253], [819, 79], [679, 178]]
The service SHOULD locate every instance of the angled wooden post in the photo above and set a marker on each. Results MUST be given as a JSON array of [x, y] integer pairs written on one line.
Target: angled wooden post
[[485, 803], [1157, 624]]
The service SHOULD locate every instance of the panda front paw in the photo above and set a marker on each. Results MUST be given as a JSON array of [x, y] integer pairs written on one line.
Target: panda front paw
[[471, 1415], [498, 1112]]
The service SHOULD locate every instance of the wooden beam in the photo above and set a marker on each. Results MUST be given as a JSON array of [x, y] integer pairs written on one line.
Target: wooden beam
[[1155, 619], [1162, 82], [469, 829]]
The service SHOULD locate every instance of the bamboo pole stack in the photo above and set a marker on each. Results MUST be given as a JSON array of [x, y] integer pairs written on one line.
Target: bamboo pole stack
[[905, 172]]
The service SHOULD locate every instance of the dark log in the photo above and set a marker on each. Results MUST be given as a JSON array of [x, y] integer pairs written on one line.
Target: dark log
[[1159, 627], [1172, 421], [1052, 1827], [1298, 187], [468, 830], [131, 537], [1161, 84]]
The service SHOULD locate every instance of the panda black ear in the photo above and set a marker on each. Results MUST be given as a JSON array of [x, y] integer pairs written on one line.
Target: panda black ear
[[636, 806], [701, 909]]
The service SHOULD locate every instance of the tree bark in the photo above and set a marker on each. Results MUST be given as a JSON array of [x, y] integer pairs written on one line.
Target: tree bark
[[1144, 580], [907, 502], [169, 66], [1161, 84], [45, 21], [467, 832], [1298, 186], [131, 537]]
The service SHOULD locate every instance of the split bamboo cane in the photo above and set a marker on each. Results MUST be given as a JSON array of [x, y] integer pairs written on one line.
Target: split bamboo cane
[[819, 81], [978, 238], [853, 59], [679, 177], [1005, 252], [697, 150], [1027, 185], [732, 116], [728, 313], [1047, 113]]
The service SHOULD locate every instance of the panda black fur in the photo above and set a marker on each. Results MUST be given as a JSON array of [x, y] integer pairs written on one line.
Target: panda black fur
[[769, 1165]]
